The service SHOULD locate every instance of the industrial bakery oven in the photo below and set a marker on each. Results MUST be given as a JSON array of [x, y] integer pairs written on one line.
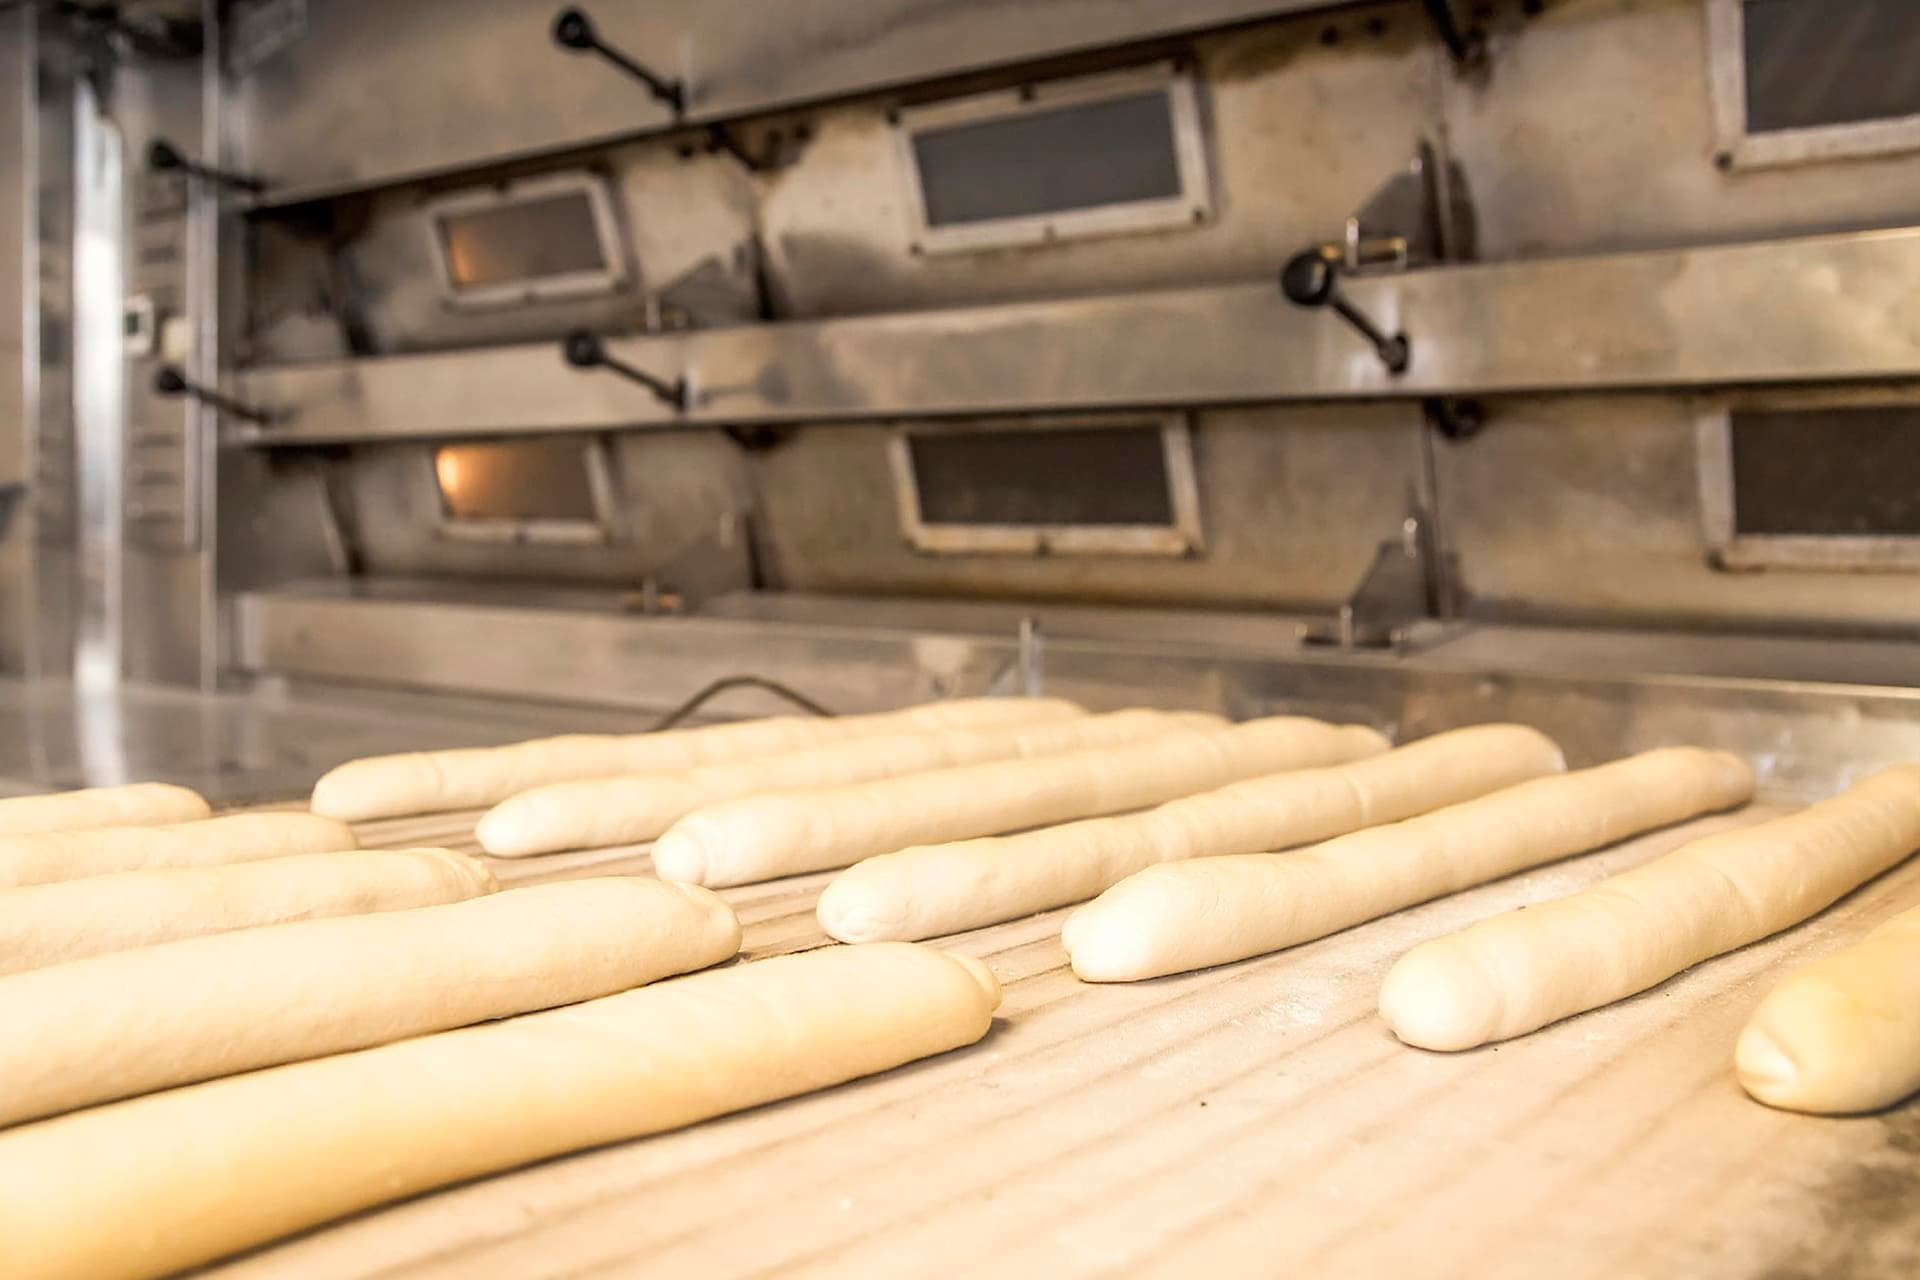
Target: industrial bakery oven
[[390, 376]]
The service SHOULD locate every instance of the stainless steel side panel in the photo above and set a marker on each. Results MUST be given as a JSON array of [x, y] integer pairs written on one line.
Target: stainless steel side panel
[[1813, 309], [1594, 693], [19, 316]]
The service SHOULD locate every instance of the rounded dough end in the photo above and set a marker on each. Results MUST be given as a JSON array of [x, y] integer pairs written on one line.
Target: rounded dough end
[[719, 914], [1766, 1071], [978, 971], [1102, 948], [680, 854], [846, 909], [502, 830], [1434, 998]]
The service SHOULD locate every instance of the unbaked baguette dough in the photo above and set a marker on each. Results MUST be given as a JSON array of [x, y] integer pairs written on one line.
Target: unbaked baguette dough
[[240, 837], [1187, 915], [48, 924], [1518, 972], [140, 804], [940, 889], [115, 1025], [785, 833], [1841, 1035], [596, 812], [476, 777], [157, 1184]]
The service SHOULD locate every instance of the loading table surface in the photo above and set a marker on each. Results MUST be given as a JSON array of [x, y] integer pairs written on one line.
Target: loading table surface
[[1255, 1119]]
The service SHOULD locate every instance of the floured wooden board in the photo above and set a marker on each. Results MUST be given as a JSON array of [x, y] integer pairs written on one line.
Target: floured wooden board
[[1252, 1119]]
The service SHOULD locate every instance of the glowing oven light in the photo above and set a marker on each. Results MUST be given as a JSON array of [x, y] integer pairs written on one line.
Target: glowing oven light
[[446, 466]]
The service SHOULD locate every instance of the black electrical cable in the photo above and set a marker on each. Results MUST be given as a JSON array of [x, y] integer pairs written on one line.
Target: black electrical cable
[[721, 686]]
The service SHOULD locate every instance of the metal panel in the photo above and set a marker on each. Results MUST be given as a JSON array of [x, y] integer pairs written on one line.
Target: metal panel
[[1821, 308], [19, 316], [677, 513], [365, 277], [439, 65], [1298, 133], [1590, 509], [1592, 692], [171, 247], [1594, 131], [1294, 501]]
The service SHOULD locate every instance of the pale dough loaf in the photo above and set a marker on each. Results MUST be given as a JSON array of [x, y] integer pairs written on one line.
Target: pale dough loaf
[[1518, 972], [940, 889], [1178, 916], [593, 813], [476, 777], [157, 1184], [132, 1021], [48, 924], [784, 833], [240, 837], [140, 804], [1841, 1035]]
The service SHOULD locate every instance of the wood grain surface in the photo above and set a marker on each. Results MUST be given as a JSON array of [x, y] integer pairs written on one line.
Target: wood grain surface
[[1255, 1119]]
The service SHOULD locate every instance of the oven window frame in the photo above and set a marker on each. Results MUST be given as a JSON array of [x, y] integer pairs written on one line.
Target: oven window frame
[[598, 192], [1731, 549], [1727, 71], [1191, 205], [1180, 537], [596, 531]]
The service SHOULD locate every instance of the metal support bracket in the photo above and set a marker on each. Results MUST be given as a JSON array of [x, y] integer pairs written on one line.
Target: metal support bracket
[[1468, 45], [1312, 279], [1402, 589], [169, 380], [164, 157], [573, 29], [584, 350]]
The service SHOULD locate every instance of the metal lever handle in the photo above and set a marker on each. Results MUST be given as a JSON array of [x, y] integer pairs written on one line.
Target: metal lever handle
[[584, 350], [168, 380], [1310, 279], [573, 29], [164, 157]]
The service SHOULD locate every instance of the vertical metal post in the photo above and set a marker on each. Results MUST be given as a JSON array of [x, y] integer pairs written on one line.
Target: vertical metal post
[[203, 308], [99, 392]]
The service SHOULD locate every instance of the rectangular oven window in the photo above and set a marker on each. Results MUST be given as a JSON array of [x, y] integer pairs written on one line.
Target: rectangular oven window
[[1098, 155], [1807, 80], [538, 490], [1813, 485], [546, 238], [1087, 487]]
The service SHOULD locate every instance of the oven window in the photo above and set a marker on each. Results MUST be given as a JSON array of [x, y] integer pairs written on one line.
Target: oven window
[[1099, 155], [1047, 488]]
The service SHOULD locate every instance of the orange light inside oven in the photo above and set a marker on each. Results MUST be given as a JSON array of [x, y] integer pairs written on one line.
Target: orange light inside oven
[[446, 466]]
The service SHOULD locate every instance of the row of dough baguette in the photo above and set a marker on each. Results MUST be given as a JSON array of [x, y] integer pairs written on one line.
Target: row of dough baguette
[[67, 920], [155, 1184], [141, 804], [475, 778], [48, 856], [939, 889], [596, 812], [127, 1022], [781, 833], [1514, 973], [1177, 916]]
